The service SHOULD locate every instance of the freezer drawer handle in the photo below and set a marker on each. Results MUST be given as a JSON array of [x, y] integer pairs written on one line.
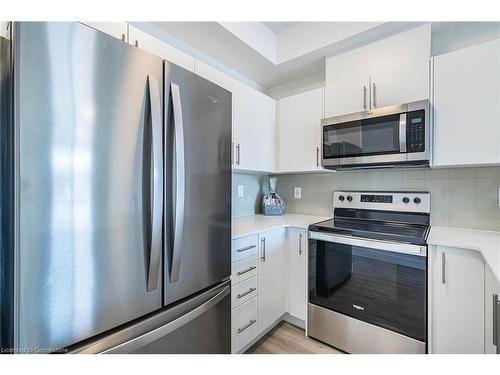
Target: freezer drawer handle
[[156, 185], [249, 324], [246, 293], [246, 271], [179, 183], [246, 248]]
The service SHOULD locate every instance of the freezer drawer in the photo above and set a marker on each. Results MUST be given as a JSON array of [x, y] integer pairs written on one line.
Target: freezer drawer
[[200, 325]]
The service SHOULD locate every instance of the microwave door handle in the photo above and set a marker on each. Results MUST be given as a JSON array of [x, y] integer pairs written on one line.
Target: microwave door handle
[[402, 132], [179, 182], [156, 185]]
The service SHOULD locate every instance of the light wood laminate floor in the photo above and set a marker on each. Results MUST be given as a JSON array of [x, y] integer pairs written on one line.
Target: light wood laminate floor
[[286, 338]]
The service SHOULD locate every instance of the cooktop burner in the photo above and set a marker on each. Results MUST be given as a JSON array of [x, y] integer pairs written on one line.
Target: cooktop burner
[[387, 216]]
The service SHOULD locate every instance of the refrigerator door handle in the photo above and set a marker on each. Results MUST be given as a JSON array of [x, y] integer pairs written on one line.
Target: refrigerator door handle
[[179, 182], [155, 327], [156, 185]]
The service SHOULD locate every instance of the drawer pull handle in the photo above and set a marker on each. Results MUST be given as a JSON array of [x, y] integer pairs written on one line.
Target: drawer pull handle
[[247, 292], [246, 248], [245, 271], [250, 323]]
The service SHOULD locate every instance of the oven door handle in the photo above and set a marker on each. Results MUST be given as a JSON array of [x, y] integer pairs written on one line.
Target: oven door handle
[[370, 244]]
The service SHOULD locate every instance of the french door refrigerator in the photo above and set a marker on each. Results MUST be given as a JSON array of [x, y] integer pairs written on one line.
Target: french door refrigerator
[[116, 212]]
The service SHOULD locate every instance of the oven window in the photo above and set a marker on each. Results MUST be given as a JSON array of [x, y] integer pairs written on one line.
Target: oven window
[[374, 136], [383, 288]]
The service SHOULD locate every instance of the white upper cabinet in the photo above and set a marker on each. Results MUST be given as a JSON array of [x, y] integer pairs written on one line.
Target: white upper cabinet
[[390, 71], [299, 131], [115, 29], [213, 75], [466, 103], [254, 124], [155, 46], [457, 301], [4, 29]]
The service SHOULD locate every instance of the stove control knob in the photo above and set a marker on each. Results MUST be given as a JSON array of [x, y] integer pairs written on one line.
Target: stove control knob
[[349, 198], [417, 200], [406, 200], [341, 198]]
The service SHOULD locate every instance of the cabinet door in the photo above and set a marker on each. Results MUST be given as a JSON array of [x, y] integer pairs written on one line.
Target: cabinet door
[[466, 102], [347, 84], [254, 123], [296, 272], [492, 287], [213, 75], [299, 131], [457, 306], [404, 83], [145, 41], [116, 29], [272, 273]]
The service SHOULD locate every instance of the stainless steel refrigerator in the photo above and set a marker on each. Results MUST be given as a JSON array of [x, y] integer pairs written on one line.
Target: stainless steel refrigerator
[[116, 189]]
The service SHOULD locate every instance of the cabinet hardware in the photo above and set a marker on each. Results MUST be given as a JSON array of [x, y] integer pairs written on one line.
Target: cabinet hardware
[[247, 325], [443, 268], [300, 243], [317, 156], [246, 271], [246, 293], [263, 246], [238, 154], [245, 248], [136, 43], [232, 153], [123, 37], [496, 313], [364, 98], [374, 96]]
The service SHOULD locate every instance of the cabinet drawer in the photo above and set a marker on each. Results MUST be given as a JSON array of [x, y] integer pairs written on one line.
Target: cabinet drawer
[[244, 324], [244, 269], [244, 247], [243, 291]]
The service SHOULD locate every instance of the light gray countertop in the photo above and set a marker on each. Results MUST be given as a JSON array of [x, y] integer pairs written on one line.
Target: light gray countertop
[[246, 225]]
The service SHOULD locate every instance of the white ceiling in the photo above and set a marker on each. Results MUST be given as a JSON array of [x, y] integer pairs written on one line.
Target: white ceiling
[[277, 27], [302, 51]]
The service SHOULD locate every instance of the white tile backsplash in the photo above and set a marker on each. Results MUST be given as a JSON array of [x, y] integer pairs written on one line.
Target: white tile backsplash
[[460, 197]]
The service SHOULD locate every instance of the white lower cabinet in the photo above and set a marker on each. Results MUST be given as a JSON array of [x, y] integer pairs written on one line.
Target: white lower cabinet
[[296, 243], [272, 274], [244, 324], [492, 294], [457, 309]]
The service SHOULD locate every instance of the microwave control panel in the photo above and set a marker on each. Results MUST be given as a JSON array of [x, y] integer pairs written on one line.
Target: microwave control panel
[[415, 131]]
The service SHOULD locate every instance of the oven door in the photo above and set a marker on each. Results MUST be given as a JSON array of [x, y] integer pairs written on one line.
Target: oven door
[[377, 282], [373, 140]]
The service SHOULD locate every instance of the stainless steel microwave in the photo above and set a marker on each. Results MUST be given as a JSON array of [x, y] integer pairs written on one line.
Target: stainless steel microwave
[[391, 136]]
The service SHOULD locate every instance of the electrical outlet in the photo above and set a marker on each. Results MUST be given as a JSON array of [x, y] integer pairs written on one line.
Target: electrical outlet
[[297, 192], [241, 191]]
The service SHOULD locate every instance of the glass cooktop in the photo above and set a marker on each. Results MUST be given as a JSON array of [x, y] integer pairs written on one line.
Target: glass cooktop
[[380, 230]]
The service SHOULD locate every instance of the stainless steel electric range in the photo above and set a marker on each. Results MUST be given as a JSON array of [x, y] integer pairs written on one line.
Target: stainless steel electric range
[[368, 273]]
